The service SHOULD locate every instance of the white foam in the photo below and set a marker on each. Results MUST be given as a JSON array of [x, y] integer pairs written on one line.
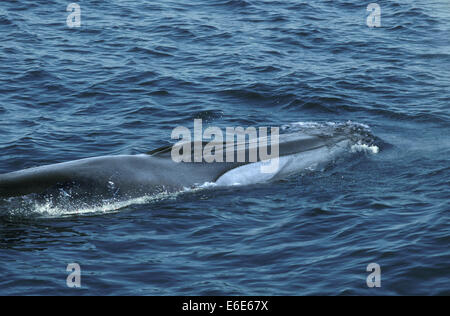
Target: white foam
[[318, 125], [49, 209], [360, 147]]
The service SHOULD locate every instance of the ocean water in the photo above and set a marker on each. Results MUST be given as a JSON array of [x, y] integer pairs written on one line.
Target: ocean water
[[134, 70]]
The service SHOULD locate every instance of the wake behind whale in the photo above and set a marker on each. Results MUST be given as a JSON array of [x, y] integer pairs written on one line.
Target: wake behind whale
[[111, 182]]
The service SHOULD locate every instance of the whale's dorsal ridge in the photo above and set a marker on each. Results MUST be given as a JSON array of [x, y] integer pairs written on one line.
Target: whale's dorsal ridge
[[166, 151], [160, 151]]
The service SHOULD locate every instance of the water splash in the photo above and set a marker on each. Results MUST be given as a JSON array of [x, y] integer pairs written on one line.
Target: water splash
[[361, 147]]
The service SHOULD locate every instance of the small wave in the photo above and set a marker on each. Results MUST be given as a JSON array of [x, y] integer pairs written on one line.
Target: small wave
[[38, 74], [208, 115], [5, 21], [233, 3], [148, 51]]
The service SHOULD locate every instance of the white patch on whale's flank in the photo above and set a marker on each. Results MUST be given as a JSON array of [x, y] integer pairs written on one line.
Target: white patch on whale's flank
[[288, 165]]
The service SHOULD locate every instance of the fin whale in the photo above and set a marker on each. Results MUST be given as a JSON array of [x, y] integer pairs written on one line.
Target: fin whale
[[300, 147]]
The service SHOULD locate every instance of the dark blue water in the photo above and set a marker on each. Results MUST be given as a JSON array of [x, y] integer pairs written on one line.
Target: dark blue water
[[135, 70]]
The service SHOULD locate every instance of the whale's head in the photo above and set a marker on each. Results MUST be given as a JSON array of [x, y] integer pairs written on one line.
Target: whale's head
[[355, 132], [305, 146]]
